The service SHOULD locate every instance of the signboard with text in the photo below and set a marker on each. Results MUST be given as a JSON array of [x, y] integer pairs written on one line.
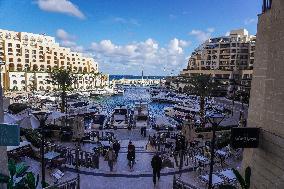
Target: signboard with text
[[9, 135], [247, 137]]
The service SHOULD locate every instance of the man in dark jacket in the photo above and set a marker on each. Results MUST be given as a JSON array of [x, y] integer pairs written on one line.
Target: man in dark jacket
[[131, 155], [116, 147], [156, 164]]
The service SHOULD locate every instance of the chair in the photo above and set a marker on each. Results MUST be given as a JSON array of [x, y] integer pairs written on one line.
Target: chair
[[57, 174]]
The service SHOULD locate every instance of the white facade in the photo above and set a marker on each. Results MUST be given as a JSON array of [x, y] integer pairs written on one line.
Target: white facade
[[28, 54]]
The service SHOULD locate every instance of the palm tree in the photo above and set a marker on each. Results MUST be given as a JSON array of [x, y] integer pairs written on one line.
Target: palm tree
[[103, 78], [64, 79], [202, 86], [95, 76]]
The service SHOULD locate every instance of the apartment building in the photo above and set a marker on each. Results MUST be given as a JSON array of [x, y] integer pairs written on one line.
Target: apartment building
[[229, 59], [28, 59]]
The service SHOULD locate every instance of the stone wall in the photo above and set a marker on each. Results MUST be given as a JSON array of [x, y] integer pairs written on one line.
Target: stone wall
[[267, 101]]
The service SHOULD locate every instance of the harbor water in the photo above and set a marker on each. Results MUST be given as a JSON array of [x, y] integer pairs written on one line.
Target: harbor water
[[131, 96]]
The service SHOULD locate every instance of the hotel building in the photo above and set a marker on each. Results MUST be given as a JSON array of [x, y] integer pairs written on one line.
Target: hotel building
[[228, 58], [27, 61]]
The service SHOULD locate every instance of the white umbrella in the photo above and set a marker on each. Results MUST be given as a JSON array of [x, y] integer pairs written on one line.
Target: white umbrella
[[30, 122], [8, 118], [54, 116]]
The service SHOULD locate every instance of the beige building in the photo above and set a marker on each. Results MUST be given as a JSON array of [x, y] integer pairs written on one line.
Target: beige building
[[266, 109], [225, 58], [29, 58]]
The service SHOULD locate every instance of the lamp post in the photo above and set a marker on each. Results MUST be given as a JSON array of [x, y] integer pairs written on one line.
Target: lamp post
[[1, 94], [215, 120], [42, 117]]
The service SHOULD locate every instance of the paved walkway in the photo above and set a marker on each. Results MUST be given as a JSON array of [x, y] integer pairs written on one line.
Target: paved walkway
[[112, 174]]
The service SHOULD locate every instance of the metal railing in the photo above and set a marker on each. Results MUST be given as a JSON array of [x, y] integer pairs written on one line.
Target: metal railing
[[179, 184], [69, 184]]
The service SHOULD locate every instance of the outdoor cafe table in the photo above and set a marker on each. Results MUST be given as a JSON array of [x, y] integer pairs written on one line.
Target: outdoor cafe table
[[228, 174], [51, 155], [216, 180]]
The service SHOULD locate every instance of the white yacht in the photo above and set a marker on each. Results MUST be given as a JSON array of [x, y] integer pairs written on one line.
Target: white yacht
[[120, 117], [141, 115], [182, 112]]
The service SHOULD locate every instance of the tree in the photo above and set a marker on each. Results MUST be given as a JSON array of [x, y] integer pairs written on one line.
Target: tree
[[64, 80], [102, 78], [95, 76], [202, 86], [243, 181]]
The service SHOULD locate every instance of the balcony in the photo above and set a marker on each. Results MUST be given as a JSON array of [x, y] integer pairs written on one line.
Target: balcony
[[266, 5]]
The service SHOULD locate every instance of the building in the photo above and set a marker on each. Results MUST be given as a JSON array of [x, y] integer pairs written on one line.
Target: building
[[29, 58], [229, 59], [266, 108]]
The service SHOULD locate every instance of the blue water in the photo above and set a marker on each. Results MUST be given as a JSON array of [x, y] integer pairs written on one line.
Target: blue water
[[132, 95], [116, 77]]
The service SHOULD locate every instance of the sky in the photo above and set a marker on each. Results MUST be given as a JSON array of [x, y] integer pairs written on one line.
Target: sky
[[128, 36]]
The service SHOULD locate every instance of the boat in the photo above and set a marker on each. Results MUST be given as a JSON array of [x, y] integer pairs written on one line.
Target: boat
[[120, 117], [180, 112], [118, 91], [141, 115], [162, 123]]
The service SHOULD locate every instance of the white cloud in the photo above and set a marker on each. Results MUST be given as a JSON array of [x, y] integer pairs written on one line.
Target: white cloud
[[125, 21], [249, 21], [131, 58], [135, 56], [60, 6], [227, 33], [172, 16], [68, 40], [202, 35]]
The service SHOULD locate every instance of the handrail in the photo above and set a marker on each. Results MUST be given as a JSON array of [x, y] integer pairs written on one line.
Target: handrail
[[67, 184]]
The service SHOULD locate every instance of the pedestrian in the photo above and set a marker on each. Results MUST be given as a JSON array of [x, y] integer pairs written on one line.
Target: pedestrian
[[131, 155], [156, 164], [144, 132], [110, 157], [116, 147]]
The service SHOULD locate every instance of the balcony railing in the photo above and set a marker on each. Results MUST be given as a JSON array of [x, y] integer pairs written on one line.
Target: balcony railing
[[266, 5]]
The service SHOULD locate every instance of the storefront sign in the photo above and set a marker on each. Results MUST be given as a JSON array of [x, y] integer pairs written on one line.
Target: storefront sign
[[244, 137], [9, 135]]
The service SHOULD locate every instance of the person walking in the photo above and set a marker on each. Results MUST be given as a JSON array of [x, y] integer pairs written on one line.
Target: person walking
[[156, 164], [131, 155], [116, 147], [110, 157]]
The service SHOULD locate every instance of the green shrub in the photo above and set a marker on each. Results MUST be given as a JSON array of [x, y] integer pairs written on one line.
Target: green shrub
[[209, 129], [33, 136], [17, 107]]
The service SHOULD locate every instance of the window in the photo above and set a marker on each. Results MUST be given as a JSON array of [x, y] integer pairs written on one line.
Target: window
[[11, 60], [9, 44], [27, 61]]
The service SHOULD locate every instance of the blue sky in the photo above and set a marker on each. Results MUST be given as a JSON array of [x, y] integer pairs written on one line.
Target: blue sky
[[126, 36]]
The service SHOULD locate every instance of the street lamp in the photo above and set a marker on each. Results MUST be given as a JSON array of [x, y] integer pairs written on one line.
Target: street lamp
[[1, 94], [42, 117], [215, 119]]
